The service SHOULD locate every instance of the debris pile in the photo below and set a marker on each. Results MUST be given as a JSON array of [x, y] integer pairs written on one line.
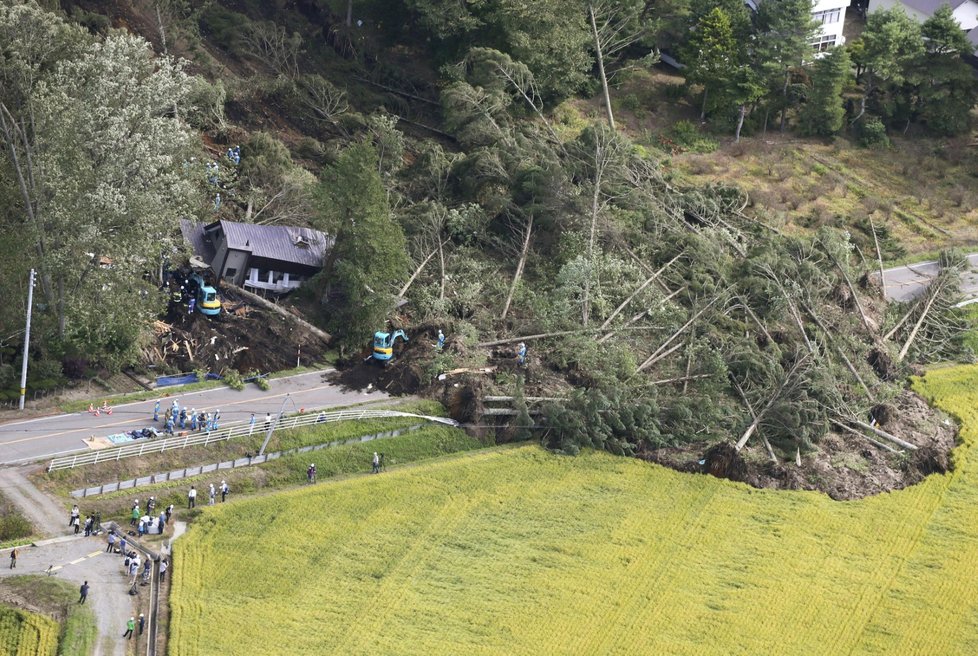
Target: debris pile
[[241, 337]]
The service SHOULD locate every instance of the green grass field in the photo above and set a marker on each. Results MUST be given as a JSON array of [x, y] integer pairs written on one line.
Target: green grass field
[[516, 551]]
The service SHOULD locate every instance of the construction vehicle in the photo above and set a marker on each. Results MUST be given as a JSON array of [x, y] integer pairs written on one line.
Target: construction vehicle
[[207, 301], [384, 346]]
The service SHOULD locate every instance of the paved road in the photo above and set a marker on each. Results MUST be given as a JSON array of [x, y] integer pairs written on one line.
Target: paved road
[[906, 282], [42, 438]]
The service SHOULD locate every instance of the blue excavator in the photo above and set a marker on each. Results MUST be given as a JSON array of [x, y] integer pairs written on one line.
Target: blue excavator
[[383, 351]]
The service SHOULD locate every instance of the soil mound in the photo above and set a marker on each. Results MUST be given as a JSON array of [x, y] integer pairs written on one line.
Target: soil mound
[[409, 372], [241, 337], [842, 465]]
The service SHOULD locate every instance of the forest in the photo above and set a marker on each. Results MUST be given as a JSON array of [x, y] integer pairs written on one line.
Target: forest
[[439, 143]]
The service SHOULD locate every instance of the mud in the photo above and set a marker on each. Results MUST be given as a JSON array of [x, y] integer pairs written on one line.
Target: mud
[[842, 466], [242, 337]]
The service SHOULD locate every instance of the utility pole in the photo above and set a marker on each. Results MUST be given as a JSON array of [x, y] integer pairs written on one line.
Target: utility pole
[[278, 418], [27, 340]]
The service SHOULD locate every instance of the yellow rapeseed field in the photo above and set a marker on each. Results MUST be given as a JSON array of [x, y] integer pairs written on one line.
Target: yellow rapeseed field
[[516, 551], [27, 634]]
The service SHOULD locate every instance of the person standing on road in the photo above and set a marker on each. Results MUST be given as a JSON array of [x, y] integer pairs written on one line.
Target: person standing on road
[[268, 420], [169, 512], [76, 522], [134, 516], [376, 463], [212, 495], [111, 546], [193, 419], [192, 497], [83, 593], [130, 625], [156, 411], [251, 424], [122, 545], [13, 559], [89, 522], [74, 514]]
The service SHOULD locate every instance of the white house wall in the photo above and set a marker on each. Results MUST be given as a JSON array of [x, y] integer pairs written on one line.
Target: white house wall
[[832, 30], [967, 15]]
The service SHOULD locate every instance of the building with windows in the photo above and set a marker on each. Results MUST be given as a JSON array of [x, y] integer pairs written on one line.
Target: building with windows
[[276, 259], [965, 11], [832, 16]]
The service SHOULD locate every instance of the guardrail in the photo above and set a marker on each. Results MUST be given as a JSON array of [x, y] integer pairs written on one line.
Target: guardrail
[[247, 461], [233, 430]]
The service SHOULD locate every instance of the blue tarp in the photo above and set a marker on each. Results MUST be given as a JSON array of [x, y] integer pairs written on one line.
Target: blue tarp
[[182, 379]]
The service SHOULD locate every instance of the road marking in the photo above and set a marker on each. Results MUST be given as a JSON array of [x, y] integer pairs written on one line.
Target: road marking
[[94, 553], [124, 405], [55, 568], [78, 560], [138, 421]]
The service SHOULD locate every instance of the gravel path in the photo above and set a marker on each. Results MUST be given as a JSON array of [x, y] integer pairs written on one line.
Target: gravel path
[[48, 517]]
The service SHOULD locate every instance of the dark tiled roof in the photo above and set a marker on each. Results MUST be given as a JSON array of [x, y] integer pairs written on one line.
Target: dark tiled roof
[[193, 233], [283, 243]]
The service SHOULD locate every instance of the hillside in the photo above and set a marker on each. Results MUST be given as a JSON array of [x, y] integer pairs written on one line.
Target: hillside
[[522, 551], [458, 160]]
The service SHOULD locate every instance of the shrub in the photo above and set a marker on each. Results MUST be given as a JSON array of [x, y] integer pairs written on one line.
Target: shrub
[[232, 378], [688, 136], [872, 133]]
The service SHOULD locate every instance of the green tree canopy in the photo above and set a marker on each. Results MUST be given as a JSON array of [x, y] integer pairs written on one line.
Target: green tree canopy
[[368, 260], [823, 113], [96, 155]]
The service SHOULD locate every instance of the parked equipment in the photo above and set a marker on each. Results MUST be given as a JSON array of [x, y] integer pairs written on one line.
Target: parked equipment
[[384, 345], [207, 301]]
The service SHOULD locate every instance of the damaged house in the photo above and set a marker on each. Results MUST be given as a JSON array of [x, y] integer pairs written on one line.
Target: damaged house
[[275, 259]]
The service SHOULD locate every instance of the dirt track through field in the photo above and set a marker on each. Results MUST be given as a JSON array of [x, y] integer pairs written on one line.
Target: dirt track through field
[[48, 517]]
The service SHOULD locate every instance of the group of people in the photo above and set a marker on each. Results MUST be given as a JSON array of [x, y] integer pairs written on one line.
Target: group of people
[[92, 525], [224, 489], [176, 416], [148, 522]]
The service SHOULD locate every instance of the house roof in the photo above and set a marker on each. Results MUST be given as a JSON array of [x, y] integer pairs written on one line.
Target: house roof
[[928, 7], [303, 246], [193, 233]]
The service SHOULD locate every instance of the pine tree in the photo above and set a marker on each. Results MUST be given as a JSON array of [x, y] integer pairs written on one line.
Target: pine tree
[[823, 113], [712, 54], [368, 260], [947, 89]]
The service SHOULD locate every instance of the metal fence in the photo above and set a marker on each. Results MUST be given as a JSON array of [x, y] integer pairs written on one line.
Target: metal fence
[[233, 430], [197, 470]]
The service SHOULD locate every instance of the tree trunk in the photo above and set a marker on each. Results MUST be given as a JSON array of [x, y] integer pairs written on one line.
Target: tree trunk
[[706, 93], [879, 256], [784, 95], [519, 268], [740, 121], [628, 300], [349, 13], [652, 358], [599, 164], [920, 322], [604, 78], [417, 271], [441, 258]]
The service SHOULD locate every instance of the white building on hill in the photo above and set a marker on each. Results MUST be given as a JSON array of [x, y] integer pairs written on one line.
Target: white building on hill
[[965, 11]]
